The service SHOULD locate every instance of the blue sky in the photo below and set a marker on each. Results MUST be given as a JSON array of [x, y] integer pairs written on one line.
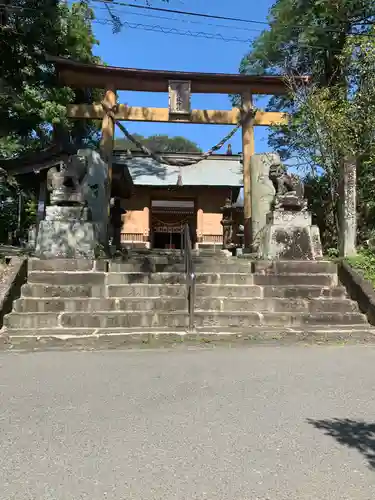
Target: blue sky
[[138, 48]]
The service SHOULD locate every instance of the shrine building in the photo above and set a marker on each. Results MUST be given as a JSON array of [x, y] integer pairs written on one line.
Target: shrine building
[[163, 198]]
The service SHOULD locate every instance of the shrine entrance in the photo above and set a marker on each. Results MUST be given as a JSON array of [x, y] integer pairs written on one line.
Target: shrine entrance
[[179, 86], [168, 218]]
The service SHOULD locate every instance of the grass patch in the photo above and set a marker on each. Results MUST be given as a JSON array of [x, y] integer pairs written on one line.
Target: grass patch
[[364, 263]]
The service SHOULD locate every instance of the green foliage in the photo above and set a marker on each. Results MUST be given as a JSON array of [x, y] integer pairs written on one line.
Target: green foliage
[[32, 105], [316, 38], [307, 36], [8, 211], [323, 202], [330, 125], [364, 263], [10, 194], [332, 253], [30, 212], [160, 144], [333, 41]]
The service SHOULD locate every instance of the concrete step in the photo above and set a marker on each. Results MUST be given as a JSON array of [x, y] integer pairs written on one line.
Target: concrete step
[[101, 278], [119, 278], [45, 290], [64, 265], [160, 263], [67, 278], [140, 290], [240, 320], [165, 304], [174, 267], [276, 305], [159, 290], [178, 278], [129, 304], [111, 319], [294, 267], [138, 264], [324, 280], [304, 291], [257, 291], [179, 290], [148, 319], [155, 252], [166, 258]]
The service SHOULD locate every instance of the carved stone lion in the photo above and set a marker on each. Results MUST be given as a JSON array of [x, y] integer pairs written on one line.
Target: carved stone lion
[[284, 182], [65, 182], [287, 186]]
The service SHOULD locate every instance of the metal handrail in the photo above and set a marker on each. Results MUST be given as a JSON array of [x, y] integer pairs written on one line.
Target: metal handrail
[[187, 250]]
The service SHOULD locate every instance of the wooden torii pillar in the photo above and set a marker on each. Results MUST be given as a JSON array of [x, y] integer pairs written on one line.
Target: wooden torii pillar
[[112, 79], [248, 149], [108, 135]]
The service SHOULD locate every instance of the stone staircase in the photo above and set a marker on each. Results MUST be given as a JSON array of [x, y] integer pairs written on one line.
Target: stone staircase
[[145, 298]]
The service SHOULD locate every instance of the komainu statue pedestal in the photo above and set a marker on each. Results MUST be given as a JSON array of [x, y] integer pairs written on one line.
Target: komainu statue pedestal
[[67, 230], [290, 235]]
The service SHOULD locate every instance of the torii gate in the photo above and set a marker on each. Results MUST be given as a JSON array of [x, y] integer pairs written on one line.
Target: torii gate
[[180, 85]]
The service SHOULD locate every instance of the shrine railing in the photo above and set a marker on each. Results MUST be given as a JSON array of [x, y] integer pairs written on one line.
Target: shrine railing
[[187, 251], [133, 239]]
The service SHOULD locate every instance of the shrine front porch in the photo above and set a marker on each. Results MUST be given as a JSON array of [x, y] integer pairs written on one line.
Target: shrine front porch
[[155, 217]]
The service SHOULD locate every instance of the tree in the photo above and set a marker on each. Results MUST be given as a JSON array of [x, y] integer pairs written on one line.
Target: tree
[[18, 206], [308, 37], [32, 105], [330, 126], [334, 42], [160, 144]]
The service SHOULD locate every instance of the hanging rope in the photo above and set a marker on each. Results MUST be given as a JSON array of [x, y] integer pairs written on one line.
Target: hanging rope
[[170, 224], [170, 161]]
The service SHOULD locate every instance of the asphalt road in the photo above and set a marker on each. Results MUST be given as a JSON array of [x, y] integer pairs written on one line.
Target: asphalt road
[[255, 423]]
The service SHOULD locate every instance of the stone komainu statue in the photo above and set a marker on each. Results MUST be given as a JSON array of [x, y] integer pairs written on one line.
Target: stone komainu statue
[[285, 183], [65, 182]]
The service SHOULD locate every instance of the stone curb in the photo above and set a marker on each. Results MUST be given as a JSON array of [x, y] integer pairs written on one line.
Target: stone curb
[[10, 288], [157, 339], [359, 289]]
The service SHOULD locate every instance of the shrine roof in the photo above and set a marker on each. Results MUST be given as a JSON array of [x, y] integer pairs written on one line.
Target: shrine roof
[[38, 160], [217, 170], [84, 75]]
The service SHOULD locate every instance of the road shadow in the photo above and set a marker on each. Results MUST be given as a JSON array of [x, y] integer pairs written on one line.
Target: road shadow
[[355, 434]]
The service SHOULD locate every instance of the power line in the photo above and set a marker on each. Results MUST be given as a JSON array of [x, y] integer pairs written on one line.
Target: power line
[[175, 31], [200, 34], [206, 16], [154, 28], [215, 25], [199, 14], [151, 16], [183, 12]]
